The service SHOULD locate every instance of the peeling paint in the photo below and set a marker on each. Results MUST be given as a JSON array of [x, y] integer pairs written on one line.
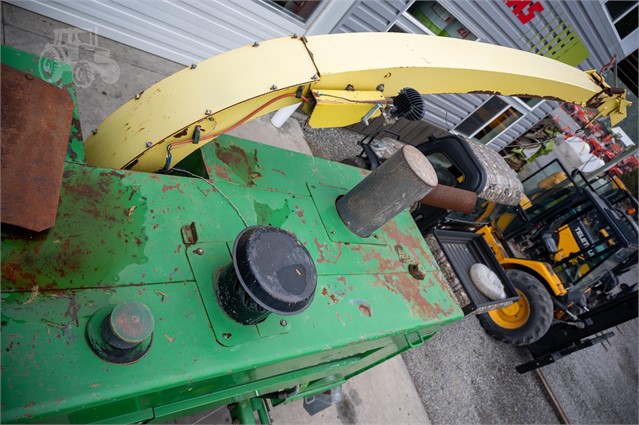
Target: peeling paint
[[411, 290], [240, 163]]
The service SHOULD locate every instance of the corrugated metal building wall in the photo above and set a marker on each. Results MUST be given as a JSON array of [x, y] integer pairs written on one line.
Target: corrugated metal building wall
[[184, 31], [444, 111], [377, 16], [496, 24]]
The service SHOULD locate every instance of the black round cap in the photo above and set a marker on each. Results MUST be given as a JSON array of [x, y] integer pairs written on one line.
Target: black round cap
[[275, 269]]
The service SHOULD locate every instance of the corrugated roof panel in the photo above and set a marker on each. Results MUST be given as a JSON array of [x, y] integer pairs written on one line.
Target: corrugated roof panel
[[371, 16], [489, 20], [398, 5], [355, 24]]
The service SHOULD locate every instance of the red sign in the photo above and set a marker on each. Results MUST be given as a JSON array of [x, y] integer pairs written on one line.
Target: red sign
[[524, 9]]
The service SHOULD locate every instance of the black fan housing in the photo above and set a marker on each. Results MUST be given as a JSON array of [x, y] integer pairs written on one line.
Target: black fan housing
[[409, 104]]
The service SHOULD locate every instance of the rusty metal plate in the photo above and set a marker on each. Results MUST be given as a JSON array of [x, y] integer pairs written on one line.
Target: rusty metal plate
[[36, 119]]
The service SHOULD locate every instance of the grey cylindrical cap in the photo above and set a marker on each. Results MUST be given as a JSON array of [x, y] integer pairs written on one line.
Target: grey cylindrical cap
[[402, 180]]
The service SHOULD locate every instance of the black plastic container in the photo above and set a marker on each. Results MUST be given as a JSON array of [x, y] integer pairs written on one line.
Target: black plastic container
[[271, 272]]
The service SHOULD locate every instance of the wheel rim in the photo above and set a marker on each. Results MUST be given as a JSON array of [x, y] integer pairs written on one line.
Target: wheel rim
[[514, 316]]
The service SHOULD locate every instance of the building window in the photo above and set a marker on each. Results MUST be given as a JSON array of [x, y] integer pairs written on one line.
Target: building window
[[530, 102], [617, 9], [439, 20], [489, 120], [300, 10], [624, 15]]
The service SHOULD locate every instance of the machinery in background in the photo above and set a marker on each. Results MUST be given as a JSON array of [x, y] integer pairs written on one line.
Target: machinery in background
[[587, 242], [563, 247], [162, 268], [592, 144], [615, 191]]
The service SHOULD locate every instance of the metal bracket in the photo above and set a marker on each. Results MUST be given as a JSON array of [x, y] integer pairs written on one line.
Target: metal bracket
[[196, 134], [314, 404], [189, 234], [419, 341], [374, 109]]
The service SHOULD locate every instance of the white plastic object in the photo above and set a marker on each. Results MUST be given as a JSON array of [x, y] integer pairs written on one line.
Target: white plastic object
[[591, 163], [279, 118], [487, 281]]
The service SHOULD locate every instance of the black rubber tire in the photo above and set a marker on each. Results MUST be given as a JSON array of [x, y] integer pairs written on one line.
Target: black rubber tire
[[356, 161], [541, 312]]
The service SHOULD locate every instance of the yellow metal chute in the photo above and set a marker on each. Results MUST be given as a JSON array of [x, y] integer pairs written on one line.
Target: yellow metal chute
[[231, 88]]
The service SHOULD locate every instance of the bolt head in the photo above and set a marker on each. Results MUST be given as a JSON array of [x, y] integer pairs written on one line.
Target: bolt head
[[193, 65], [208, 112], [137, 96], [256, 44], [94, 131], [380, 87], [199, 251], [283, 322], [273, 87], [149, 144]]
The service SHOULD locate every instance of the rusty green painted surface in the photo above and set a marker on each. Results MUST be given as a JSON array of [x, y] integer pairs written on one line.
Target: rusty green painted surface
[[119, 237]]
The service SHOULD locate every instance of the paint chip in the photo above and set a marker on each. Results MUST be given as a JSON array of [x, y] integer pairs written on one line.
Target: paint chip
[[34, 294]]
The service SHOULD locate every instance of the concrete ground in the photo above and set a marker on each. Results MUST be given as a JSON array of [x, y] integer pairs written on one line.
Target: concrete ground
[[465, 377], [461, 375], [364, 401]]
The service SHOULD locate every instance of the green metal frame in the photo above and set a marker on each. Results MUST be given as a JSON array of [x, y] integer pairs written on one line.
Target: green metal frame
[[119, 236]]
